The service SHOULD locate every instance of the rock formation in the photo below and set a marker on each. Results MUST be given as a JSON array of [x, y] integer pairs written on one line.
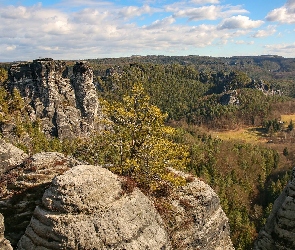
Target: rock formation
[[22, 187], [87, 208], [67, 106], [279, 230], [10, 156], [4, 243], [200, 222], [230, 98]]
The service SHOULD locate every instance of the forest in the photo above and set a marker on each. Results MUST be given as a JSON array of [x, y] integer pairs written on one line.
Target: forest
[[176, 104]]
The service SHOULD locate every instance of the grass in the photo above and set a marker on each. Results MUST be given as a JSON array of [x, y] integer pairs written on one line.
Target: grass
[[287, 118], [248, 135]]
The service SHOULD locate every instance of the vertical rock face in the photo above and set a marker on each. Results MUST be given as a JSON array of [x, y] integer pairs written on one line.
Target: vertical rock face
[[4, 243], [67, 106], [279, 230], [86, 208]]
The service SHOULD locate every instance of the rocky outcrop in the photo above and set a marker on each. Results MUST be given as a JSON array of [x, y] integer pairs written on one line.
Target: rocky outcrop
[[4, 243], [199, 221], [67, 104], [279, 230], [22, 187], [10, 156], [230, 98], [88, 208]]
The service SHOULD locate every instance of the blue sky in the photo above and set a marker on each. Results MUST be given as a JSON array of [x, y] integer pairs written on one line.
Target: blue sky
[[82, 29]]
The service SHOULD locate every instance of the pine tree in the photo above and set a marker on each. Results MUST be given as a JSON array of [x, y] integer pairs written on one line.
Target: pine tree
[[143, 143]]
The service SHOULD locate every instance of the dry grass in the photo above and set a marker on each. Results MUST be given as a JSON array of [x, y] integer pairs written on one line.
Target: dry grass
[[248, 135], [287, 118]]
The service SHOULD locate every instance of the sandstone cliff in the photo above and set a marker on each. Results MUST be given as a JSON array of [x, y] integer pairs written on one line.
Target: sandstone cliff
[[279, 230], [88, 207], [67, 104]]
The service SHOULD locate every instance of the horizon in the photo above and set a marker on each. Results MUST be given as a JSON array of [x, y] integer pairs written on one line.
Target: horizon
[[121, 57], [78, 30]]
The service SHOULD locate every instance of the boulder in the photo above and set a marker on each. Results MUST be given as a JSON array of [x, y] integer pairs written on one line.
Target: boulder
[[198, 221], [88, 208], [10, 156]]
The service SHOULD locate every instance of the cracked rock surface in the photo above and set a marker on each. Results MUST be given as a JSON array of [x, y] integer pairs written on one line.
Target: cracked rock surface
[[10, 156], [65, 102], [86, 208], [199, 221]]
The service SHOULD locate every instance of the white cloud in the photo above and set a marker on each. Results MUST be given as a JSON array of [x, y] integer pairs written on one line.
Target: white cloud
[[15, 13], [270, 30], [158, 24], [206, 12], [244, 42], [133, 11], [240, 42], [286, 50], [11, 47], [90, 16], [202, 2], [239, 22], [212, 12], [101, 29], [284, 14]]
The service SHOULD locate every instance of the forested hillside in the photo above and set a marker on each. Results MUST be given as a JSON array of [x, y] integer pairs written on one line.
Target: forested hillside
[[180, 101], [214, 96]]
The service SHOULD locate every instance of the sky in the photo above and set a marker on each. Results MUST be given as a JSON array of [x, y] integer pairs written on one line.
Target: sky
[[86, 29]]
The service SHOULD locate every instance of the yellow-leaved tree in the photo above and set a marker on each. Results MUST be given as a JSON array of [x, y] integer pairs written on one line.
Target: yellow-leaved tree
[[136, 143], [143, 146]]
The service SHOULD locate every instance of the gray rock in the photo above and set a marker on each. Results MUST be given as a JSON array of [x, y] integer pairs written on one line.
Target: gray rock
[[230, 98], [22, 188], [4, 243], [200, 222], [67, 106], [279, 230], [10, 156], [86, 208]]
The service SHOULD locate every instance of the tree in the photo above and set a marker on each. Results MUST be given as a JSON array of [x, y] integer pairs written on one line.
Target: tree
[[143, 143], [3, 75]]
